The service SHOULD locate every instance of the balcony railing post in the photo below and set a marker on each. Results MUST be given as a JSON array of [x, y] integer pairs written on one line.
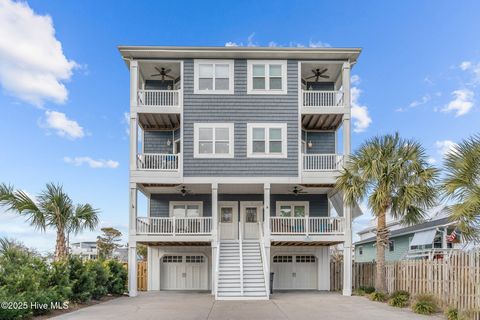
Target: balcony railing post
[[307, 225], [174, 226]]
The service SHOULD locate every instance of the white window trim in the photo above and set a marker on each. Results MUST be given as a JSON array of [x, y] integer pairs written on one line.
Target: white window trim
[[196, 76], [267, 154], [250, 89], [231, 132], [306, 204], [185, 203]]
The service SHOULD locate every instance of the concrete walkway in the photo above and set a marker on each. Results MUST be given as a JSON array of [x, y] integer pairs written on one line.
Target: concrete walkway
[[292, 305]]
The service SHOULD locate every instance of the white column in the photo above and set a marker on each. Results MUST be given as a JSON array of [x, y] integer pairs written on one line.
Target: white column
[[132, 268], [133, 114], [266, 212], [133, 210], [215, 211], [133, 83], [347, 210], [323, 268], [214, 268]]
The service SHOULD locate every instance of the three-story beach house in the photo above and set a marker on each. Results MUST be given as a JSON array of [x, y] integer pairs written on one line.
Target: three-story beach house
[[237, 150]]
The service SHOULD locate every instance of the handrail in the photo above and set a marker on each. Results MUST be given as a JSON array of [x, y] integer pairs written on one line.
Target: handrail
[[240, 249], [162, 98], [158, 161], [322, 98], [307, 225], [322, 162], [217, 264], [266, 274]]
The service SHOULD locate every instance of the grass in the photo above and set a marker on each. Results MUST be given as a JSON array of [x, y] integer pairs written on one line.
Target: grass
[[425, 304], [399, 299]]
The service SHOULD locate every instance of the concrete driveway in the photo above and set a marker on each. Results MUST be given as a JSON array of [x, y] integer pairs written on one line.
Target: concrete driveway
[[291, 305]]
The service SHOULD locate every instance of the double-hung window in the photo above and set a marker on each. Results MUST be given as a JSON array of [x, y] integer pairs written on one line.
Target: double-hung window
[[267, 140], [213, 140], [297, 209], [267, 77], [213, 76], [186, 209]]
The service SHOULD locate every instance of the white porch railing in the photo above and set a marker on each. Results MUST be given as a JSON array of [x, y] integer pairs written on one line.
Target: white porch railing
[[157, 161], [161, 98], [174, 226], [322, 162], [307, 225], [313, 98]]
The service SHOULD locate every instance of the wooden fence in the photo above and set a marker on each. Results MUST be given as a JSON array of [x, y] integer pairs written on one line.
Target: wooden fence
[[142, 275], [454, 281]]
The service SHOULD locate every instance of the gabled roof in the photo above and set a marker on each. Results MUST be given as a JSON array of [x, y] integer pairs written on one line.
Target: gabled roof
[[165, 52], [411, 229]]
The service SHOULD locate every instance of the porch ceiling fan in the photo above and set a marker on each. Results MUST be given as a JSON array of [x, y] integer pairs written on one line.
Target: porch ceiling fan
[[183, 190], [297, 190], [317, 73], [162, 72]]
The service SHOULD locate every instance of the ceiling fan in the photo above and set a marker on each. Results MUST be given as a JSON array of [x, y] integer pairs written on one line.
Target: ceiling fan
[[296, 191], [317, 73], [183, 190], [163, 73]]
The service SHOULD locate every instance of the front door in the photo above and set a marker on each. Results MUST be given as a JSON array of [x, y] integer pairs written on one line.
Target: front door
[[250, 216], [228, 220]]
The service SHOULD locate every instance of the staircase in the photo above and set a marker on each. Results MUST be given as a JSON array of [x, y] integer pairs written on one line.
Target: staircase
[[240, 271]]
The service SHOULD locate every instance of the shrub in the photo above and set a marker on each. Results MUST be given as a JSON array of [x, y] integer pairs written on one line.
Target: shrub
[[425, 304], [59, 280], [399, 299], [81, 279], [451, 314], [368, 290], [378, 296], [117, 280], [100, 275], [359, 292]]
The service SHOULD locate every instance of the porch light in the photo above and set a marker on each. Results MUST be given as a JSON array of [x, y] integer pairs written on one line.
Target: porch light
[[169, 142], [310, 144]]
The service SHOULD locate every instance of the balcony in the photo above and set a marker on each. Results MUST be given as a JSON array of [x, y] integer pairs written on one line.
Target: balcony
[[159, 98], [174, 226], [315, 98], [329, 230], [158, 162], [321, 166]]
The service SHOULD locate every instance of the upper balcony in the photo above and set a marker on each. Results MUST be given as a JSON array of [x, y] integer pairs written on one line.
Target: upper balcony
[[322, 89], [159, 87]]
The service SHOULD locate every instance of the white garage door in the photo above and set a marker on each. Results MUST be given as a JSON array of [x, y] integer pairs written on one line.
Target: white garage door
[[184, 272], [294, 272]]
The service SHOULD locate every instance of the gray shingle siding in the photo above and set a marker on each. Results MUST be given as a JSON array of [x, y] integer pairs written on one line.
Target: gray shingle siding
[[241, 109], [322, 141], [159, 203], [156, 141]]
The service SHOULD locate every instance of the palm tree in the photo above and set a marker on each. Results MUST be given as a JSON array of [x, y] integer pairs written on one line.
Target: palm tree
[[393, 175], [53, 208], [461, 184]]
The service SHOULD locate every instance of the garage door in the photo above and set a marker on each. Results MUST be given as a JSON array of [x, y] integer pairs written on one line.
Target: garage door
[[184, 272], [295, 272]]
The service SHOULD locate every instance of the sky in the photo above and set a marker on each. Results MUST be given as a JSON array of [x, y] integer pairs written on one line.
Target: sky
[[64, 91]]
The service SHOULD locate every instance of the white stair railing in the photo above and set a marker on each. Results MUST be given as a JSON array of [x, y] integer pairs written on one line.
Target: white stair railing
[[265, 262], [322, 162], [240, 250], [160, 98], [157, 161], [217, 265]]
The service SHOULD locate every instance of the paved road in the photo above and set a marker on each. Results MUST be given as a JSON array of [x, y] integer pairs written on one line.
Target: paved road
[[292, 305]]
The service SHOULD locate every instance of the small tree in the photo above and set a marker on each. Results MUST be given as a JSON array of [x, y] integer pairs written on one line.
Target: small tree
[[142, 251], [108, 242]]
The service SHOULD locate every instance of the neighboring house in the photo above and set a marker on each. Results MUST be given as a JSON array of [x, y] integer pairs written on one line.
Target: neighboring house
[[429, 239], [237, 151], [86, 250]]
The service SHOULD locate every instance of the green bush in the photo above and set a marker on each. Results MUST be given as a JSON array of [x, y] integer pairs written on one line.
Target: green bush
[[359, 292], [368, 290], [378, 296], [81, 279], [117, 281], [425, 304], [451, 314], [399, 299], [100, 276], [59, 280]]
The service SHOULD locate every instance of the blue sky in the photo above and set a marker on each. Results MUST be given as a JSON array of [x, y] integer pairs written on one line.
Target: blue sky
[[64, 88]]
